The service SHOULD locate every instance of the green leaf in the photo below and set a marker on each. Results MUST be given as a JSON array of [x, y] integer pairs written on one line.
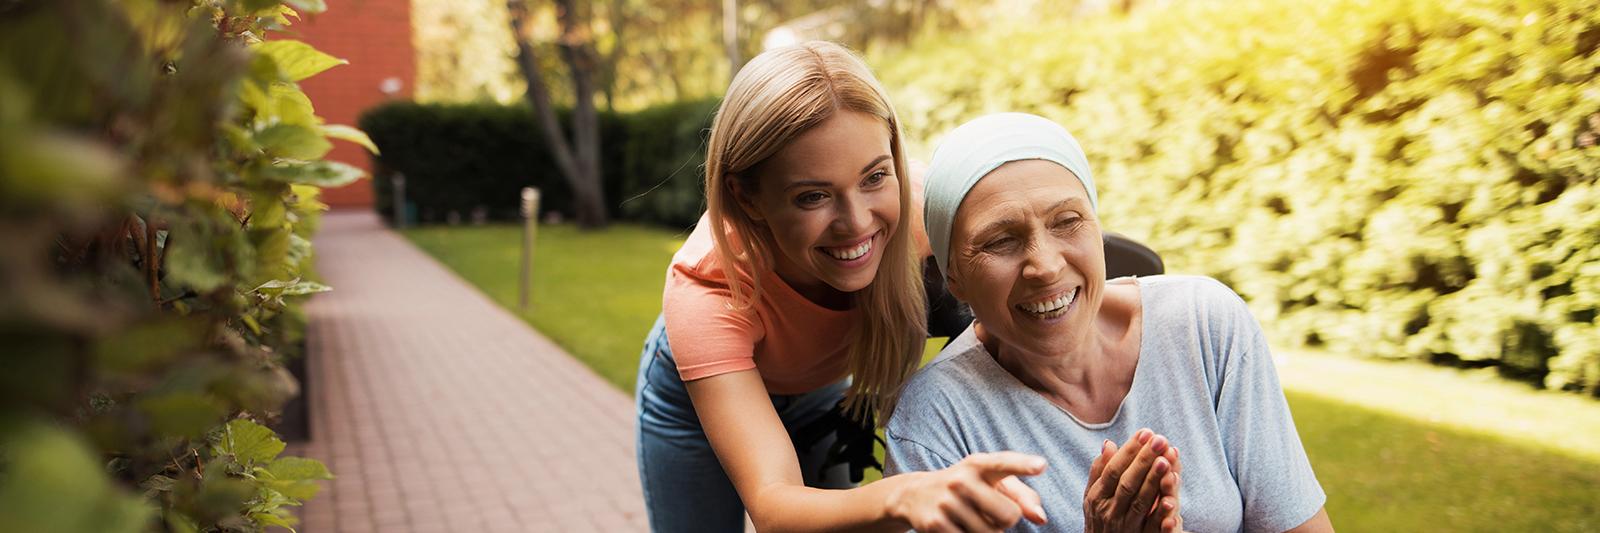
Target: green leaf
[[272, 253], [340, 131], [249, 442], [296, 477], [267, 210], [297, 59], [293, 141], [293, 287], [298, 468], [289, 105], [181, 414], [320, 173], [274, 519], [306, 287], [53, 482]]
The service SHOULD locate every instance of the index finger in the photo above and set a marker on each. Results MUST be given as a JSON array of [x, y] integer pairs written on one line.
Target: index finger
[[1026, 498], [995, 466], [1107, 449], [1106, 485]]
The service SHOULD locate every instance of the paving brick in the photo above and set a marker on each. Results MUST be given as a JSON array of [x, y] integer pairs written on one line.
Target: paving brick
[[420, 390]]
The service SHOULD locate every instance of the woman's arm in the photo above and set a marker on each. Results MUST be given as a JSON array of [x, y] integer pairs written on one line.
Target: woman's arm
[[756, 452], [1319, 523]]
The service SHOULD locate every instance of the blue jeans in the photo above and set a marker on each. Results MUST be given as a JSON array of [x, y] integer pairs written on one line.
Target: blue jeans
[[685, 488]]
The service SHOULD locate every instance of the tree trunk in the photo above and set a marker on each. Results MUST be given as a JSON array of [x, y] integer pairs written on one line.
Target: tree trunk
[[579, 160]]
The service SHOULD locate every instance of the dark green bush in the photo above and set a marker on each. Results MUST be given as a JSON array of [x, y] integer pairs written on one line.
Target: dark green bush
[[1388, 179], [462, 157]]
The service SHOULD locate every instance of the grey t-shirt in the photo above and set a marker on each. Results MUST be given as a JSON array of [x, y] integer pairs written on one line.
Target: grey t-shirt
[[1204, 379]]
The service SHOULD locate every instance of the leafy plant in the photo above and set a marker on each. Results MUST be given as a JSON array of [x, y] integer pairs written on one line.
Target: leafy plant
[[1386, 179], [159, 173]]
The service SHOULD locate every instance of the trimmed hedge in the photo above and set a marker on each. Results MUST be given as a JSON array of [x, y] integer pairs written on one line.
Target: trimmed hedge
[[462, 157], [1387, 179]]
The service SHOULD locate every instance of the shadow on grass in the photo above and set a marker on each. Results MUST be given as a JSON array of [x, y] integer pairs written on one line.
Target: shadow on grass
[[1388, 473]]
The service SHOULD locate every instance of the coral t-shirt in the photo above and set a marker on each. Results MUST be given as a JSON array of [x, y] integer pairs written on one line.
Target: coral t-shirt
[[797, 345]]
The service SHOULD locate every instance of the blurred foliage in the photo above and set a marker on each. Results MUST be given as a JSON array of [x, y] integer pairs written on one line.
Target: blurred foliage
[[461, 158], [1388, 179], [159, 172], [655, 51]]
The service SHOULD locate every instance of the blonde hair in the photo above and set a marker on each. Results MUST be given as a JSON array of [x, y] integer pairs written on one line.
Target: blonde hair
[[777, 96]]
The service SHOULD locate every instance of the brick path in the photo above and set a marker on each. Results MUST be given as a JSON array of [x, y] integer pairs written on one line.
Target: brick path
[[439, 411]]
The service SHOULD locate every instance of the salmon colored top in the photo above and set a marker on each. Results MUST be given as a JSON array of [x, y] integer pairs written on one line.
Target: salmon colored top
[[797, 345]]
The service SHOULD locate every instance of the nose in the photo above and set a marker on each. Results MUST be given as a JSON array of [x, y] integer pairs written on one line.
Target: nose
[[852, 215], [1046, 260]]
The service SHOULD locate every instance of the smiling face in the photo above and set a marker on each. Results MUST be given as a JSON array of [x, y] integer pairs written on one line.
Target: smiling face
[[1026, 254], [830, 201]]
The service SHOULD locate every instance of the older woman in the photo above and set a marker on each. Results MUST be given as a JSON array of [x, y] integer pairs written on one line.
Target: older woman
[[1062, 363]]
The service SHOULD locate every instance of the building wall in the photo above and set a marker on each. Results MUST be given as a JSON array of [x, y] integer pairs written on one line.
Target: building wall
[[375, 37]]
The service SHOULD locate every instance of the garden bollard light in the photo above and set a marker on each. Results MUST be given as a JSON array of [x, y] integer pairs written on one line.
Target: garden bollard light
[[398, 182], [530, 225]]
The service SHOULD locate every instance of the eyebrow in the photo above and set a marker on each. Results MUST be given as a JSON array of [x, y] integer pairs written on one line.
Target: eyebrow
[[996, 226], [819, 183], [874, 163]]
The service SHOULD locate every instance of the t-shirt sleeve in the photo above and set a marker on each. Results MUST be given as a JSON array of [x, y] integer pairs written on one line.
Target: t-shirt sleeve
[[903, 455], [707, 335], [1269, 464]]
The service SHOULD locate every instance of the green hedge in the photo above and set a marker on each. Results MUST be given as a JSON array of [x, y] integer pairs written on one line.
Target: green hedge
[[159, 174], [1388, 179], [460, 157]]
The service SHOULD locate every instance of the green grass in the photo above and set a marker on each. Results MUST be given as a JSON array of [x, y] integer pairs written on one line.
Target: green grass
[[1397, 446], [596, 294]]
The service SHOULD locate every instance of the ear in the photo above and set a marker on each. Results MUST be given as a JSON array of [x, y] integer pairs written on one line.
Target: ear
[[742, 198], [954, 287]]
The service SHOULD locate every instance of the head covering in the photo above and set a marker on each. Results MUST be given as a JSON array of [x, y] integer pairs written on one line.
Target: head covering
[[973, 150]]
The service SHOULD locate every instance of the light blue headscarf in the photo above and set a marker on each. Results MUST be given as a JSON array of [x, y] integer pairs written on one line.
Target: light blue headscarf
[[973, 150]]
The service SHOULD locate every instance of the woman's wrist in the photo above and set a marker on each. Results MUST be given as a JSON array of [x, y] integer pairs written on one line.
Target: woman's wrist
[[895, 506]]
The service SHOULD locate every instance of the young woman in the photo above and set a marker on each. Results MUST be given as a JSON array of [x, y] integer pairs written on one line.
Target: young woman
[[803, 272]]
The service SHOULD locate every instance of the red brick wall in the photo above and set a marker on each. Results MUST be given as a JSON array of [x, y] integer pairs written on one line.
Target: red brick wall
[[375, 37]]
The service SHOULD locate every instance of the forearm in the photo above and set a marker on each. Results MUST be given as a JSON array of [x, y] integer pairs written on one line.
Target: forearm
[[786, 508]]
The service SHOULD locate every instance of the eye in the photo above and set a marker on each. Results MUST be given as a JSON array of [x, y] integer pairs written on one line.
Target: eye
[[1067, 222], [877, 178], [1000, 244], [810, 198]]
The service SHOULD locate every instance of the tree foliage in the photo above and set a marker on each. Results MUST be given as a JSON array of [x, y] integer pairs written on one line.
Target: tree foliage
[[1387, 179], [159, 172]]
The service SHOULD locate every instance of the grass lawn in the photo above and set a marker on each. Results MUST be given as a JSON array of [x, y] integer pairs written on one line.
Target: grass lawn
[[1397, 446], [594, 293]]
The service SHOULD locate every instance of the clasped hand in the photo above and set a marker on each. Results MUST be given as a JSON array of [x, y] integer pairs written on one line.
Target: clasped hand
[[1134, 488]]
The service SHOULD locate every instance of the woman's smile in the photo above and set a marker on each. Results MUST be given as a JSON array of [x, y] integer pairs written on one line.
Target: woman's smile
[[853, 255], [1053, 306]]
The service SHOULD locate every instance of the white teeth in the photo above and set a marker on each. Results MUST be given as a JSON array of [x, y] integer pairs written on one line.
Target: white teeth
[[1051, 308], [847, 254]]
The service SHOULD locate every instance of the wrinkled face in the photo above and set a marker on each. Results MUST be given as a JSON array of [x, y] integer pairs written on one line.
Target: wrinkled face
[[1026, 255], [831, 201]]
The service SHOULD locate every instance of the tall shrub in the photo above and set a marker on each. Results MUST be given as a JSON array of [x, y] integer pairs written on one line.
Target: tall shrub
[[1387, 179], [459, 158], [159, 171]]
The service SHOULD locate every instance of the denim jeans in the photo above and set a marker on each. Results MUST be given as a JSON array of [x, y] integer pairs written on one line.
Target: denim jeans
[[685, 488]]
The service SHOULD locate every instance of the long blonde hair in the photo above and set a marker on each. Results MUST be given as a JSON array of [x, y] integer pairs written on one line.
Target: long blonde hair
[[777, 96]]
